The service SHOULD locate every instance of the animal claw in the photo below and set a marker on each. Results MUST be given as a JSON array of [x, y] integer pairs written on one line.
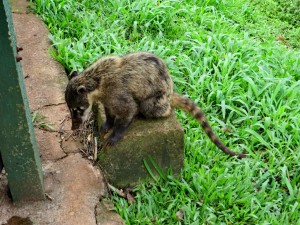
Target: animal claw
[[109, 143], [111, 140]]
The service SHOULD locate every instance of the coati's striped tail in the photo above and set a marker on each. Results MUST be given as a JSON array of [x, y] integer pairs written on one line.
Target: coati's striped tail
[[179, 101]]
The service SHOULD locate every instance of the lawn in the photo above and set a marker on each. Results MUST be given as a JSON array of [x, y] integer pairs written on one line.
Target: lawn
[[240, 61]]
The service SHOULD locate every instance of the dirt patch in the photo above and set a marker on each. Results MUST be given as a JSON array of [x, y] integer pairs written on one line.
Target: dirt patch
[[48, 145], [56, 115]]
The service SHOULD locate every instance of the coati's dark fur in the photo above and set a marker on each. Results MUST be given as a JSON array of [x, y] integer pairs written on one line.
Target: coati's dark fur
[[136, 83]]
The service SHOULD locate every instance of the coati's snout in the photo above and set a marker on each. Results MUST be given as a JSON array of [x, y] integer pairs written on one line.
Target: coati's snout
[[76, 122], [79, 115]]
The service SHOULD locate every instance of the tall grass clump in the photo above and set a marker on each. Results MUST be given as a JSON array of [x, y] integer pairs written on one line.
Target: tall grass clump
[[227, 56]]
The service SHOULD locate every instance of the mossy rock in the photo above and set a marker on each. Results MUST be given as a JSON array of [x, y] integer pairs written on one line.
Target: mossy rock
[[160, 139]]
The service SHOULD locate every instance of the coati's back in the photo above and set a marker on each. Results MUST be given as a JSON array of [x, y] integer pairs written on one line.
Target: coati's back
[[141, 75]]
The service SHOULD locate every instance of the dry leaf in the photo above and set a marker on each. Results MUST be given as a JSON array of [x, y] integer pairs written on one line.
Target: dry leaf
[[179, 214]]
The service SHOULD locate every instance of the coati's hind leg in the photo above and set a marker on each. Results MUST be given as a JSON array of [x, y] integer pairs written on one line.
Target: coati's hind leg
[[156, 107], [108, 124]]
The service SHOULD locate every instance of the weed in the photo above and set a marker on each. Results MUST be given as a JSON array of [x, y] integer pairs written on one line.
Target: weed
[[37, 121]]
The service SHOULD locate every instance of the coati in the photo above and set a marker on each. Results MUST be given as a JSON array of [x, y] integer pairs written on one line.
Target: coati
[[136, 83]]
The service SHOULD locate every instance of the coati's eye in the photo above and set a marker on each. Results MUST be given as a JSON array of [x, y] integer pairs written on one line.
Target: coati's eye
[[78, 110]]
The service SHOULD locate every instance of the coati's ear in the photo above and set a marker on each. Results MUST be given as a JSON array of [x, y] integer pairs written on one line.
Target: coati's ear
[[73, 74], [81, 89]]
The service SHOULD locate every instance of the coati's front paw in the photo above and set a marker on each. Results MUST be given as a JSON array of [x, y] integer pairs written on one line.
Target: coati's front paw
[[105, 127], [112, 140]]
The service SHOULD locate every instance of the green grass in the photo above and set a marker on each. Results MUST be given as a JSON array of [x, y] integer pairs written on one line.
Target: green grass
[[223, 54]]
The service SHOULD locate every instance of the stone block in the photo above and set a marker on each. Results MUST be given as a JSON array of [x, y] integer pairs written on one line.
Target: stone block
[[162, 139]]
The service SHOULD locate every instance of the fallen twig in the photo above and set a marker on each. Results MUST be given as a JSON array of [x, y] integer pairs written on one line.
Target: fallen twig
[[70, 135], [95, 148], [117, 191], [49, 197]]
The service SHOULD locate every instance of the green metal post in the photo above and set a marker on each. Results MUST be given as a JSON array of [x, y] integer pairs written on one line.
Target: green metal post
[[17, 140]]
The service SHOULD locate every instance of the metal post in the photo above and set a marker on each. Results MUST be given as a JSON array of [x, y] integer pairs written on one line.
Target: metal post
[[17, 140]]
